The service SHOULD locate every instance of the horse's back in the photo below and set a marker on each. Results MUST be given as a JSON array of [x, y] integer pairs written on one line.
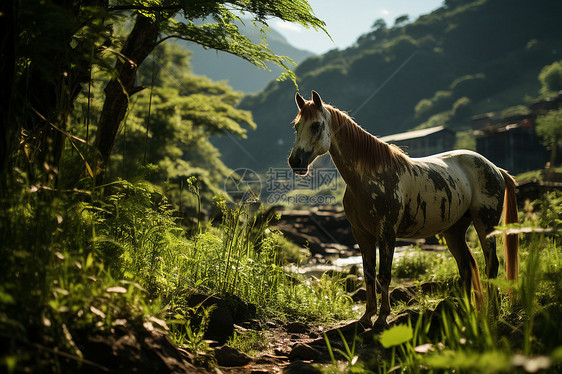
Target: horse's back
[[448, 185], [487, 184]]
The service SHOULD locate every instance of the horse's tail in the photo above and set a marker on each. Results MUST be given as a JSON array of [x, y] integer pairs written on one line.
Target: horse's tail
[[510, 216]]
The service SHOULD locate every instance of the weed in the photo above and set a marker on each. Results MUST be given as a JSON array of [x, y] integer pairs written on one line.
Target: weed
[[250, 342]]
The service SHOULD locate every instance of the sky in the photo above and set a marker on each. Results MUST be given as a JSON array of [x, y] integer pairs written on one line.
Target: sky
[[347, 20]]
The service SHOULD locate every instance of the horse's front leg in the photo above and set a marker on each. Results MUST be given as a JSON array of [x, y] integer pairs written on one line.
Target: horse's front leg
[[386, 253], [367, 244]]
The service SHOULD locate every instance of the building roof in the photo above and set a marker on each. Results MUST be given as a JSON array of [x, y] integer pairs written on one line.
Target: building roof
[[413, 134]]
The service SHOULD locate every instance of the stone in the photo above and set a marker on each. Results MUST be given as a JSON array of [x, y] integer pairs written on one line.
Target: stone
[[302, 351], [297, 328], [402, 295], [221, 323], [252, 324], [359, 295], [407, 316], [129, 349], [228, 356], [241, 310], [300, 367]]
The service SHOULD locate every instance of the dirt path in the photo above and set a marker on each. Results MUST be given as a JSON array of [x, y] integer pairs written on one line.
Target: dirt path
[[295, 347]]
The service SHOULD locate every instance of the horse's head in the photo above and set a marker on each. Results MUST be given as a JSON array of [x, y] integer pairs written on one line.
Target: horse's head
[[313, 133]]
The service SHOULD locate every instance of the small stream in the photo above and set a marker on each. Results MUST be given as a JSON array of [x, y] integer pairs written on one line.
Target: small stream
[[341, 263]]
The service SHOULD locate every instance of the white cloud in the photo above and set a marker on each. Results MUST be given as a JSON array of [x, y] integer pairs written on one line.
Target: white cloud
[[385, 12], [288, 26]]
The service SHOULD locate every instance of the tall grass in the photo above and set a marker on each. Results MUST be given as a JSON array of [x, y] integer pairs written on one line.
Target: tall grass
[[522, 336], [120, 255]]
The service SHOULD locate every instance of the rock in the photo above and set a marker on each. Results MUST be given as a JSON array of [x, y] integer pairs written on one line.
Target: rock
[[302, 351], [322, 230], [270, 324], [228, 356], [403, 318], [280, 352], [241, 310], [402, 295], [252, 324], [313, 335], [300, 367], [297, 328], [359, 295], [221, 323], [129, 349]]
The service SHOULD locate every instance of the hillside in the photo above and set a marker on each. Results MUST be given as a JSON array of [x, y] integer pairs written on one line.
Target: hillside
[[460, 60], [240, 74]]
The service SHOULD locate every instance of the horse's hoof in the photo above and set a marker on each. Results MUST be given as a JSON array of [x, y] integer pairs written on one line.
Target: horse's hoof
[[365, 325], [365, 322], [381, 323]]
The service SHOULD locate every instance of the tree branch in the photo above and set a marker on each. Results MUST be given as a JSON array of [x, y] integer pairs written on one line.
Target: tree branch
[[145, 8]]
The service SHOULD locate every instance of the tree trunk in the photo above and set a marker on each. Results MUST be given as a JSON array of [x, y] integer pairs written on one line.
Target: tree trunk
[[7, 75], [139, 44]]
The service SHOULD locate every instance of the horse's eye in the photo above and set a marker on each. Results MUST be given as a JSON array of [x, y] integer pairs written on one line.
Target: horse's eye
[[315, 126]]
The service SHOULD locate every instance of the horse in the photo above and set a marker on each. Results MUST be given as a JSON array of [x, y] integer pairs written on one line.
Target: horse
[[390, 195]]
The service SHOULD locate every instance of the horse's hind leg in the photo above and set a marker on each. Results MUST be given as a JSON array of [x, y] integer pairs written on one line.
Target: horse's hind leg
[[367, 245], [484, 222], [386, 254], [468, 269]]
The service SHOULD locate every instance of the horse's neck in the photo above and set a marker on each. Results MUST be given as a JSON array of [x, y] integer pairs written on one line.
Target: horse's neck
[[356, 152], [345, 157]]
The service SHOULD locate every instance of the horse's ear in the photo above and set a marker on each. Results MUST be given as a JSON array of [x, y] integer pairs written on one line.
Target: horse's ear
[[317, 100], [299, 100]]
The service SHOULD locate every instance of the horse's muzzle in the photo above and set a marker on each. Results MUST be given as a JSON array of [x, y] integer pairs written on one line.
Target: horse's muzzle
[[299, 162]]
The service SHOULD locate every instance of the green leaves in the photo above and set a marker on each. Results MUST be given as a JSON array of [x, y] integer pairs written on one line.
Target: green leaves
[[396, 335]]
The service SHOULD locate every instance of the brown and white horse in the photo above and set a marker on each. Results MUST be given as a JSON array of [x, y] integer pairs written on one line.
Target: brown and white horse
[[391, 195]]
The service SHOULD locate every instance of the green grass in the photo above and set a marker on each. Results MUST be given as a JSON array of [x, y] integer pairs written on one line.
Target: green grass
[[97, 259], [520, 335], [250, 342], [87, 260]]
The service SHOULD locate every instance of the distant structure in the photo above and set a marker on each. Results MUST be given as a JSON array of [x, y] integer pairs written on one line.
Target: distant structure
[[511, 142], [425, 142]]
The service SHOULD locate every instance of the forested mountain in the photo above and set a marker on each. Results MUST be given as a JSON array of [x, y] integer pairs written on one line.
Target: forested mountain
[[463, 59], [240, 74]]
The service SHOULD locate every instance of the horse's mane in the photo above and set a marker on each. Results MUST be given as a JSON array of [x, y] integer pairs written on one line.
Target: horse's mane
[[370, 152]]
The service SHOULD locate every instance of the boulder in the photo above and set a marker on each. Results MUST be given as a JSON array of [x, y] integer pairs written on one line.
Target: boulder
[[228, 356], [128, 349], [300, 367], [302, 351], [359, 295], [405, 295], [221, 323], [297, 328]]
